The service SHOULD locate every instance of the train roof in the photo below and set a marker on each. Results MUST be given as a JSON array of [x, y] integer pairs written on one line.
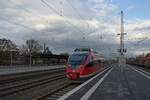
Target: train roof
[[79, 53], [83, 50], [86, 51]]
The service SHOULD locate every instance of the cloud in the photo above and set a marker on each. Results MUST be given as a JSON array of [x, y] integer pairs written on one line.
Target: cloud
[[86, 23]]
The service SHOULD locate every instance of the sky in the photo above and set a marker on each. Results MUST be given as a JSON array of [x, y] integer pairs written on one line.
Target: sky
[[68, 24]]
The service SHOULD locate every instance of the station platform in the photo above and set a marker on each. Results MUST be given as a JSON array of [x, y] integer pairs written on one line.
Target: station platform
[[6, 70], [113, 84]]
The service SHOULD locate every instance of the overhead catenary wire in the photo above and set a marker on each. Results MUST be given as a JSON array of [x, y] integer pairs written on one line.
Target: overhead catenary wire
[[29, 12], [139, 40], [18, 24], [22, 25], [65, 18], [78, 13]]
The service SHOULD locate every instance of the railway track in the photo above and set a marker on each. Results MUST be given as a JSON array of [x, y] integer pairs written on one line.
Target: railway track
[[31, 87], [54, 95], [4, 79], [7, 90], [41, 87]]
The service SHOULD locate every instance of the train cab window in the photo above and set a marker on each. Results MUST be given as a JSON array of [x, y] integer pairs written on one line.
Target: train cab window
[[77, 59]]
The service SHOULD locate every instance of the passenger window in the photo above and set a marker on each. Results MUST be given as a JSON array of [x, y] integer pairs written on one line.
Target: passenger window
[[99, 61], [90, 64]]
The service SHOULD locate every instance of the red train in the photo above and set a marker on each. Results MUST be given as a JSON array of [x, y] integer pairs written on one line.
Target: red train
[[84, 63], [142, 60]]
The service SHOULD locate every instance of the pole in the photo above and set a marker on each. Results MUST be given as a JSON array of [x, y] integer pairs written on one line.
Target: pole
[[30, 53], [44, 48], [30, 58], [122, 50], [122, 35], [11, 58], [121, 41]]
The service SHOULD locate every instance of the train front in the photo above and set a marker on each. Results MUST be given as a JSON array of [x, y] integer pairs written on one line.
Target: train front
[[75, 65]]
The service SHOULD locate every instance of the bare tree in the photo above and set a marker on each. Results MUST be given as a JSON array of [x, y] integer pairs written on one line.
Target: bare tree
[[7, 45], [33, 46]]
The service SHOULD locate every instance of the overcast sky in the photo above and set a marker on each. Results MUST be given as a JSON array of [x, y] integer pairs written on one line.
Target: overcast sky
[[67, 24]]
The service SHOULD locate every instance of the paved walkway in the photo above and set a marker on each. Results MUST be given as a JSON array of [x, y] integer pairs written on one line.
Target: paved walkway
[[131, 84], [17, 69]]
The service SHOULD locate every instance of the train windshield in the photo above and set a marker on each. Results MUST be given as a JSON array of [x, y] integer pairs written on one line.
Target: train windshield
[[77, 59]]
